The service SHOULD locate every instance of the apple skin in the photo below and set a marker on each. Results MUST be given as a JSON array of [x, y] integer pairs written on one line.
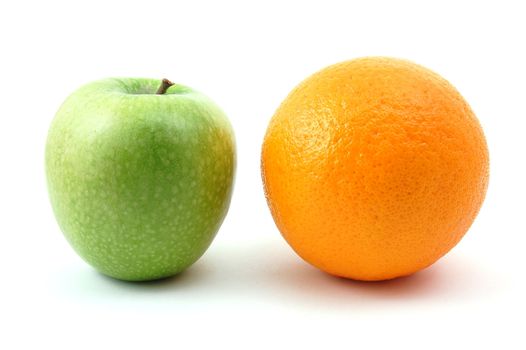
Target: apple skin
[[139, 182]]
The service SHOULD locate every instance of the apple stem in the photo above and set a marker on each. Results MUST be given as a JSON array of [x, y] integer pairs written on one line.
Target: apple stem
[[165, 84]]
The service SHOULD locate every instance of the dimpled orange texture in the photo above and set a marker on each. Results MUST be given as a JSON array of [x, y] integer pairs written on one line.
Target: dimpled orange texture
[[374, 168]]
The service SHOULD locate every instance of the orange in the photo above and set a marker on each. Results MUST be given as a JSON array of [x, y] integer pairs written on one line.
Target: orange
[[374, 168]]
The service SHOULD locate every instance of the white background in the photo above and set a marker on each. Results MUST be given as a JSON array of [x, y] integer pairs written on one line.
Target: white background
[[249, 290]]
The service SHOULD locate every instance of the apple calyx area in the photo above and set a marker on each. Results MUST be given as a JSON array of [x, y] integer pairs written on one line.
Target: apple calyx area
[[165, 84]]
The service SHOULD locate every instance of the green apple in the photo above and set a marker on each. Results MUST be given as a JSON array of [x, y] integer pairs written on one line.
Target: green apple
[[140, 175]]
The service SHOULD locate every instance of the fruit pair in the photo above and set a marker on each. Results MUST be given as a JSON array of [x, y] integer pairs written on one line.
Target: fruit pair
[[373, 168]]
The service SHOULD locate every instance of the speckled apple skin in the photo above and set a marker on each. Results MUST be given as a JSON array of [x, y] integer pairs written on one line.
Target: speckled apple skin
[[139, 183]]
